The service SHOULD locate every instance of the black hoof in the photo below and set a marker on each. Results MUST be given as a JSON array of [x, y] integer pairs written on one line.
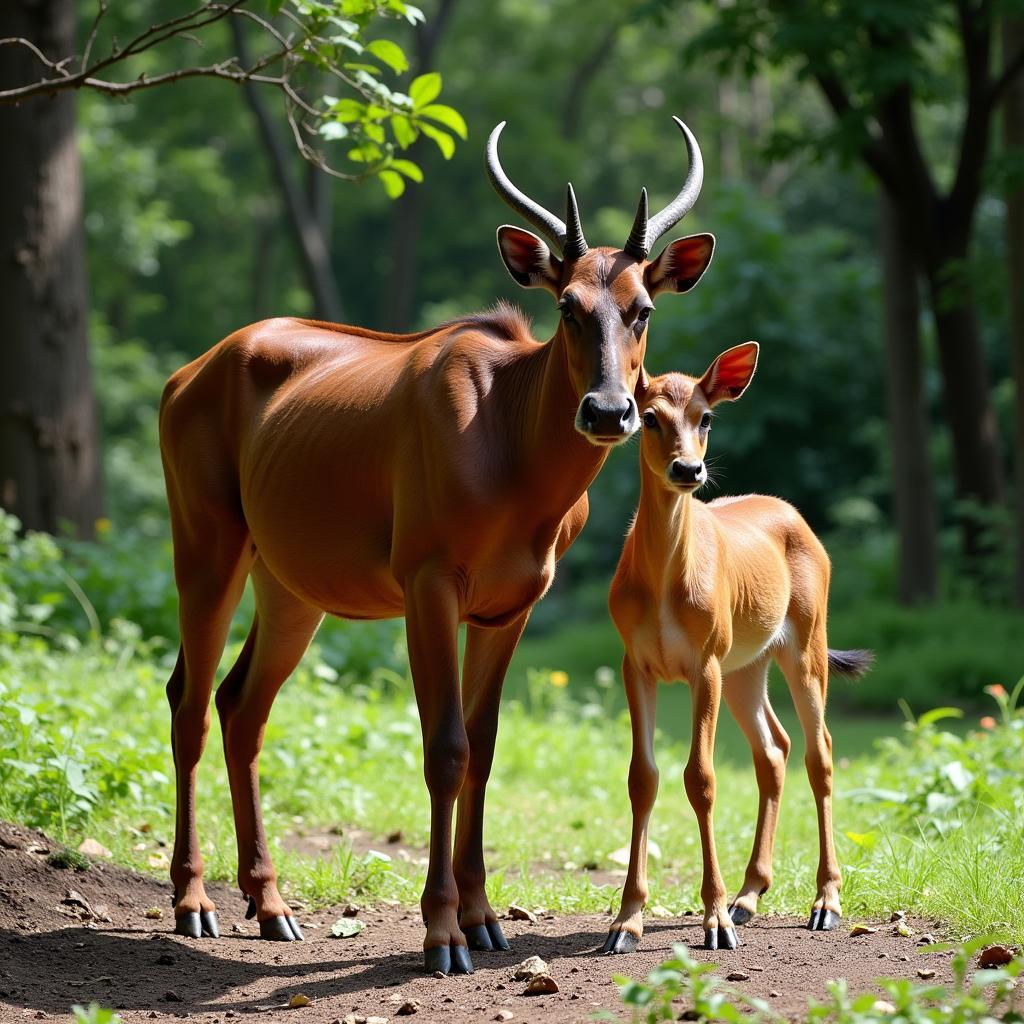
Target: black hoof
[[721, 938], [498, 939], [740, 915], [447, 960], [278, 929], [250, 910], [208, 920], [823, 920], [620, 942], [296, 930], [479, 938], [188, 924]]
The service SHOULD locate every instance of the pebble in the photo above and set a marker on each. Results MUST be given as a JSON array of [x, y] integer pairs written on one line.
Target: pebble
[[926, 973], [503, 1015], [410, 1006], [530, 968], [517, 913], [172, 997], [774, 993], [541, 985], [737, 976]]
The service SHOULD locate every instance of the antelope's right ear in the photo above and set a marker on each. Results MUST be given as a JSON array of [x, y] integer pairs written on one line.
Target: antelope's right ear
[[528, 259], [728, 376]]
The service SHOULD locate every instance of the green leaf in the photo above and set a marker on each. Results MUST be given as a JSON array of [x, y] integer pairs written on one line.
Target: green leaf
[[390, 53], [345, 109], [448, 116], [937, 714], [404, 131], [365, 154], [408, 168], [394, 183], [444, 141], [425, 89], [346, 927]]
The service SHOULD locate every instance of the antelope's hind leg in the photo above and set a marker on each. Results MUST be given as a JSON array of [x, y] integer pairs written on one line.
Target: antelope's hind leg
[[746, 693], [281, 631], [806, 672], [211, 559], [642, 694]]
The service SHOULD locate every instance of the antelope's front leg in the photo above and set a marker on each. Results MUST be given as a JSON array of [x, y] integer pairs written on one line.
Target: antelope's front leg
[[699, 777], [488, 652], [432, 622], [642, 695]]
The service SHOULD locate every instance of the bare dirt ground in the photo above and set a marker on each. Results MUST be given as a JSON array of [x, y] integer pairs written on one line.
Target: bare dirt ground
[[101, 947]]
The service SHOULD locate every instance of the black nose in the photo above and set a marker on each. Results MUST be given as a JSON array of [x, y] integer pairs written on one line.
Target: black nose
[[608, 415], [680, 472]]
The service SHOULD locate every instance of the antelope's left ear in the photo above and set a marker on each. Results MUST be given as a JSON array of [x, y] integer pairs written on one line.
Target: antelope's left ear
[[680, 266], [643, 382], [728, 376]]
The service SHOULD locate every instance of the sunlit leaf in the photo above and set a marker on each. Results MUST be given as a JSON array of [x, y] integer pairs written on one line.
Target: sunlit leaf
[[390, 53], [448, 116], [425, 89], [404, 131], [444, 141], [408, 168], [394, 184]]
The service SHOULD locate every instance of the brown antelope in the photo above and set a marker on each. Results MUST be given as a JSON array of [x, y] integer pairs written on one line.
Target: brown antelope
[[711, 594], [437, 476]]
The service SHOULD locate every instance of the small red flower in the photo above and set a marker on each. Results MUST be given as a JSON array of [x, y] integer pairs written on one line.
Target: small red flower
[[988, 722], [996, 690]]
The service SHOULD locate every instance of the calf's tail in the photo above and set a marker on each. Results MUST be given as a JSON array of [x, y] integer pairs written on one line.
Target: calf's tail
[[851, 664]]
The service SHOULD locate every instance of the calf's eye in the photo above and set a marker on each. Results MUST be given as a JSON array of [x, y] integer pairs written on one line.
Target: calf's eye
[[650, 420]]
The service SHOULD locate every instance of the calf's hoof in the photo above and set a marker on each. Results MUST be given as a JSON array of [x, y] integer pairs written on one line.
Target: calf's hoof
[[740, 915], [283, 928], [621, 942], [197, 925], [721, 938], [823, 920], [447, 960], [486, 937]]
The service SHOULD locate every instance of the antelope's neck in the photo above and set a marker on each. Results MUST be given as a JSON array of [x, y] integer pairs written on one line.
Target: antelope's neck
[[561, 463], [663, 533]]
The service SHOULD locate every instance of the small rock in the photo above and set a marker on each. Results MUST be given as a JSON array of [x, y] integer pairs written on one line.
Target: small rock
[[530, 968], [903, 929], [517, 913], [774, 993], [171, 996], [503, 1015], [659, 911], [995, 956], [350, 910], [410, 1006], [737, 976], [297, 1000], [541, 985], [395, 837], [91, 848], [926, 940], [236, 927], [375, 1020], [925, 972], [862, 929], [897, 915], [883, 1006], [154, 913]]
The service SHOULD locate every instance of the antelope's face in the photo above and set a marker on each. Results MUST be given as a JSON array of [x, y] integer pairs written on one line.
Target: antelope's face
[[605, 295], [676, 412]]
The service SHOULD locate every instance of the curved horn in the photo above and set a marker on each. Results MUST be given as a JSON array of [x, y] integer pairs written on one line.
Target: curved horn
[[683, 202], [545, 221], [575, 243], [636, 245]]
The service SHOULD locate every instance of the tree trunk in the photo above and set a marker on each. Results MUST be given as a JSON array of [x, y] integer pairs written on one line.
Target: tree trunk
[[309, 239], [1013, 136], [969, 413], [912, 487], [49, 441]]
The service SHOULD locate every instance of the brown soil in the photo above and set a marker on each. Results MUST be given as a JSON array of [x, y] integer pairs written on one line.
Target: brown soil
[[54, 954]]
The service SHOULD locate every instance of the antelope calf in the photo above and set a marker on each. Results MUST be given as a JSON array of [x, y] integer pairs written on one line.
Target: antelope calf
[[437, 476], [711, 593]]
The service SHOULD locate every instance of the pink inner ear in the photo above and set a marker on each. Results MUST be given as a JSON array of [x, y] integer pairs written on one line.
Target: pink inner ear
[[524, 254], [733, 370], [688, 258]]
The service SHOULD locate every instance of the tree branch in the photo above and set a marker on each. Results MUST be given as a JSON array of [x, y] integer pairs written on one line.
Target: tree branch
[[1010, 71]]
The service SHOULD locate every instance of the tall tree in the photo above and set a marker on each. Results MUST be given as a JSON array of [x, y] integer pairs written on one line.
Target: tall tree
[[49, 447], [873, 64]]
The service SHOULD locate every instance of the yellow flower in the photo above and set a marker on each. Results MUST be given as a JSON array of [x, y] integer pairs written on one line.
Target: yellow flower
[[103, 527], [559, 679]]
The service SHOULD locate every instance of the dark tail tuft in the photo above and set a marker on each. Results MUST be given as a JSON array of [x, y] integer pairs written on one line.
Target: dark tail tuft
[[851, 664]]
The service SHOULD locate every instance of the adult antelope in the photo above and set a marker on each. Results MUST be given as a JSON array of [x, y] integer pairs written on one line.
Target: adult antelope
[[712, 594], [365, 475]]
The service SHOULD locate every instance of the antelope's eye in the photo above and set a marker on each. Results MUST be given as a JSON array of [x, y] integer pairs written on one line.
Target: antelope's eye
[[645, 314], [650, 420], [705, 421], [567, 314]]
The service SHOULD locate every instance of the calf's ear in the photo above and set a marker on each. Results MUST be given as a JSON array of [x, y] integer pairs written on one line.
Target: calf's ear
[[730, 373]]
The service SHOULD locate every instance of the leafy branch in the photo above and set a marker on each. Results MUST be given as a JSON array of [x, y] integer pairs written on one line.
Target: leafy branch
[[302, 44]]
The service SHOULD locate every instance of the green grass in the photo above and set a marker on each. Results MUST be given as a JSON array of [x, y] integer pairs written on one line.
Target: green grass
[[930, 822]]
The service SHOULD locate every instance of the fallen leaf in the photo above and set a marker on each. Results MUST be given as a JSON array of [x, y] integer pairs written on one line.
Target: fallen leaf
[[541, 985], [154, 913], [904, 929], [862, 929], [298, 1000], [995, 956], [530, 968], [91, 848], [346, 927], [517, 913]]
